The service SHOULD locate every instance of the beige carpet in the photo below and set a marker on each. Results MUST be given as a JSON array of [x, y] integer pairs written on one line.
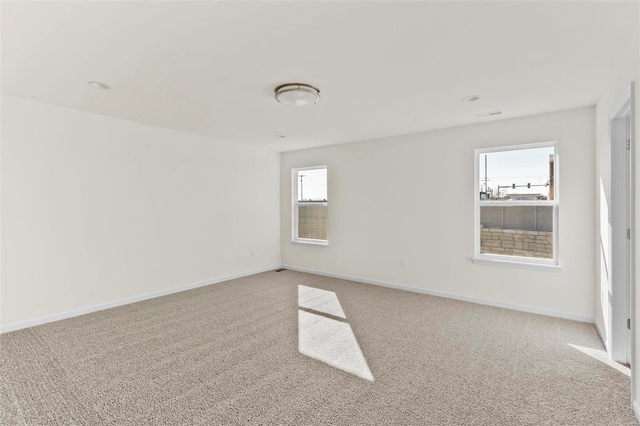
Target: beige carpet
[[229, 354]]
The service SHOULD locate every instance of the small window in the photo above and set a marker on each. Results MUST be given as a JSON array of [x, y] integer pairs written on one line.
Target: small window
[[516, 204], [309, 194]]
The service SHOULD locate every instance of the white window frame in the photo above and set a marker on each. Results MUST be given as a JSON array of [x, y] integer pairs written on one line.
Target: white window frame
[[510, 260], [295, 203]]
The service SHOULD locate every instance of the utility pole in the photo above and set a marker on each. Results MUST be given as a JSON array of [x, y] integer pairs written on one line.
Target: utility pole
[[301, 189], [486, 188]]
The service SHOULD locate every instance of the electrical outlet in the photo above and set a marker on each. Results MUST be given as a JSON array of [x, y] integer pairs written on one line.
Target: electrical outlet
[[253, 252], [404, 263]]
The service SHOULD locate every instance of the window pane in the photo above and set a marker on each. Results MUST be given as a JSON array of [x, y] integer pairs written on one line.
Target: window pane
[[525, 231], [312, 185], [312, 221], [524, 174]]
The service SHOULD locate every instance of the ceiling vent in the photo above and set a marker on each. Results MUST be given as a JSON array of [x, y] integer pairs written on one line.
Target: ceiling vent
[[488, 114], [98, 85]]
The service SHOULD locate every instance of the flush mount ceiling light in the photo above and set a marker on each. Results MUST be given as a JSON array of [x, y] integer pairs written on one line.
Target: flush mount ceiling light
[[98, 85], [297, 94], [471, 98]]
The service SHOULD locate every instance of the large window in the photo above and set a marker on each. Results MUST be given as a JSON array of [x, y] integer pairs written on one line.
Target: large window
[[516, 204], [309, 194]]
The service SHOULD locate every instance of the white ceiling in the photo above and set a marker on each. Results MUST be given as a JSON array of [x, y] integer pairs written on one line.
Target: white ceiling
[[383, 68]]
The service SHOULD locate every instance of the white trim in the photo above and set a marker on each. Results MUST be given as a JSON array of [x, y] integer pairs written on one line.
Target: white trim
[[126, 301], [621, 214], [518, 262], [533, 145], [525, 264], [632, 225], [636, 410], [295, 204], [620, 108], [310, 242], [603, 337], [323, 166], [513, 203], [478, 300]]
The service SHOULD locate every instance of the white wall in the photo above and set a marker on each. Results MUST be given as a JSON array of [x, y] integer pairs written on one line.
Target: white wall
[[411, 197], [625, 70], [97, 209]]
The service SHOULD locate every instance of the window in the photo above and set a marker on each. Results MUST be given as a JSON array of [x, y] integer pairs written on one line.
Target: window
[[516, 205], [309, 194]]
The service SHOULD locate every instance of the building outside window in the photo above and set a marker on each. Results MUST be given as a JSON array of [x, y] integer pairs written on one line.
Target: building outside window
[[516, 204], [310, 205]]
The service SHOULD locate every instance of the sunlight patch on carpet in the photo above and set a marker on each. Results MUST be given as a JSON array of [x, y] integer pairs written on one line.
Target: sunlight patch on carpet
[[331, 342], [320, 300], [602, 356]]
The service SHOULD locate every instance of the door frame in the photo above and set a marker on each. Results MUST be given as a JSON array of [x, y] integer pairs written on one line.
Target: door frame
[[621, 214]]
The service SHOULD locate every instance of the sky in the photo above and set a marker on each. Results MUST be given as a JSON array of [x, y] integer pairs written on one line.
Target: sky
[[519, 166], [314, 184]]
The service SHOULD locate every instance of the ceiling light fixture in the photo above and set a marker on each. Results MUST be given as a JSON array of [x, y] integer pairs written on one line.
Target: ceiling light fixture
[[471, 98], [297, 94], [98, 85]]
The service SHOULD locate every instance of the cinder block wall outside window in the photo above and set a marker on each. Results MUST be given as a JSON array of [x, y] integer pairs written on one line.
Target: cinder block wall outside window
[[517, 231], [312, 222]]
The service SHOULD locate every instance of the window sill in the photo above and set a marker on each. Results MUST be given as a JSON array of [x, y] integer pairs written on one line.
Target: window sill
[[517, 264], [311, 242]]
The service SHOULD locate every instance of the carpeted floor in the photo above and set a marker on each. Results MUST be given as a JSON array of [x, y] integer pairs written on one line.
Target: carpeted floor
[[249, 352]]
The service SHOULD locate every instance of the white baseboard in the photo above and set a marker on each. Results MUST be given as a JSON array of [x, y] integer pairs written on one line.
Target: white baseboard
[[603, 337], [489, 302], [101, 306]]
